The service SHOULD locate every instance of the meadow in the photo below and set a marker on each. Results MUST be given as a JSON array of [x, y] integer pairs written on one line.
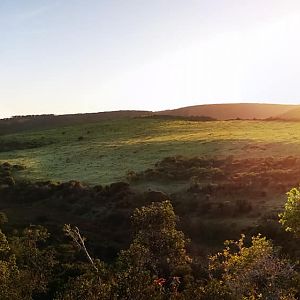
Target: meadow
[[104, 152]]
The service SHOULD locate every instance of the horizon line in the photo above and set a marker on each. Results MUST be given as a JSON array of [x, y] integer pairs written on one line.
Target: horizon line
[[149, 111]]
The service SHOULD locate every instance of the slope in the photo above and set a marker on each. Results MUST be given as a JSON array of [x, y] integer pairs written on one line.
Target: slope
[[231, 111], [293, 114], [39, 122]]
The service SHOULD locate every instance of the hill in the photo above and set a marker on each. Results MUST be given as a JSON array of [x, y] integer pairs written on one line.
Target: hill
[[292, 115], [209, 112], [104, 152], [231, 111], [38, 122]]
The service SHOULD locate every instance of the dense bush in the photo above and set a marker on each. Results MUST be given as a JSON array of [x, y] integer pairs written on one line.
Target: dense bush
[[290, 218], [158, 263], [155, 266]]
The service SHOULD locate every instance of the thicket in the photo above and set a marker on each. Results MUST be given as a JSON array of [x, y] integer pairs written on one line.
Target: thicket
[[156, 265], [153, 260], [259, 172], [210, 211]]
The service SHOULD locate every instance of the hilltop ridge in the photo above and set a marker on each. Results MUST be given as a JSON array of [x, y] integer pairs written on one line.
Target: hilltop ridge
[[32, 122], [291, 115], [232, 111], [229, 111]]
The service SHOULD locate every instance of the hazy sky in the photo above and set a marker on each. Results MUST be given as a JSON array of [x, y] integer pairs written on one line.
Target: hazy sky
[[91, 55]]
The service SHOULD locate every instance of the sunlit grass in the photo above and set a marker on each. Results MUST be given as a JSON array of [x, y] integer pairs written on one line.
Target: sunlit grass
[[110, 148]]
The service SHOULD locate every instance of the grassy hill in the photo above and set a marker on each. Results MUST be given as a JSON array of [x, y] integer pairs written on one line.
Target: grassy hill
[[104, 152], [231, 111], [290, 115], [191, 113], [38, 122]]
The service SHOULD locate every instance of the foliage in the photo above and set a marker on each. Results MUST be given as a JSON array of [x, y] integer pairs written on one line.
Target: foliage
[[157, 251], [24, 269], [155, 229], [94, 284], [156, 265], [290, 218], [216, 199], [134, 279], [33, 258], [9, 272], [79, 241], [254, 272]]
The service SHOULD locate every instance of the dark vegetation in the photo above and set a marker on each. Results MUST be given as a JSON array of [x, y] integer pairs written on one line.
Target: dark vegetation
[[11, 145], [256, 175], [255, 178], [132, 230], [6, 173], [219, 199], [156, 264]]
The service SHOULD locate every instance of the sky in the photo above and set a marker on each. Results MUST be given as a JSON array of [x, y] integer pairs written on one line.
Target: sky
[[73, 56]]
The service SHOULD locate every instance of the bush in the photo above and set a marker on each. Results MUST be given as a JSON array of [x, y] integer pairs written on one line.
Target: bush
[[290, 218]]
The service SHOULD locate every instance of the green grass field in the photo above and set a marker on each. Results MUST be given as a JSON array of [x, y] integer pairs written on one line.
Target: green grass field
[[103, 152]]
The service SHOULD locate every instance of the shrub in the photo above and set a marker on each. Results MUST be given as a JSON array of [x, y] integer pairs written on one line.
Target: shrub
[[290, 218], [254, 271]]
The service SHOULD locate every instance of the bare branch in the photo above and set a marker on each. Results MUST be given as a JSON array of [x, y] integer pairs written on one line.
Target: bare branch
[[79, 240]]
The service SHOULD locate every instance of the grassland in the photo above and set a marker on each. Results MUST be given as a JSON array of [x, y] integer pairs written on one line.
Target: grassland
[[101, 153]]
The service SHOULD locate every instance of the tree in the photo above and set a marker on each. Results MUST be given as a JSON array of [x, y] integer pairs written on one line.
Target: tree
[[156, 262], [79, 241], [94, 283], [155, 230], [134, 279], [290, 218], [35, 260], [9, 272], [254, 272], [24, 268]]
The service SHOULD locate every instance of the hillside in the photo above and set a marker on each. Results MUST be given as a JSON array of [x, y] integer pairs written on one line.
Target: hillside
[[104, 152], [38, 122], [231, 111], [223, 178], [247, 111], [293, 114]]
